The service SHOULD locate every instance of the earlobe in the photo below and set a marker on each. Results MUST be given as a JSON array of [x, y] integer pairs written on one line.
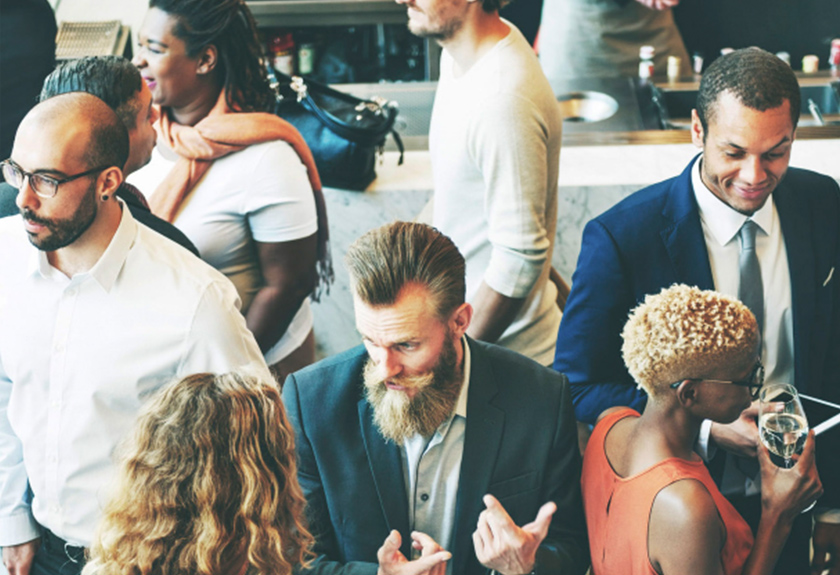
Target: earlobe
[[687, 393], [112, 179], [697, 136], [461, 319], [207, 60]]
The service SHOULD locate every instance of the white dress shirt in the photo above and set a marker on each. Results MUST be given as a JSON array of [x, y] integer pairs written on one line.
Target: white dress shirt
[[80, 355], [432, 470], [721, 225]]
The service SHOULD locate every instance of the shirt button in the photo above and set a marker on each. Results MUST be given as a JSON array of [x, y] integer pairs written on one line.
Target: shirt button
[[424, 497]]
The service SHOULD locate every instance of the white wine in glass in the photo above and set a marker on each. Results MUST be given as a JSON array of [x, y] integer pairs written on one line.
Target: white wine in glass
[[782, 424]]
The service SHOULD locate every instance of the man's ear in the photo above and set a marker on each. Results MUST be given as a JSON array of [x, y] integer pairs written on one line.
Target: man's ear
[[460, 319], [697, 134], [109, 181], [208, 59]]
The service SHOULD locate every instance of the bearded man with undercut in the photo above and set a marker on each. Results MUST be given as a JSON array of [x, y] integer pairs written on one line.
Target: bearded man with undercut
[[424, 451]]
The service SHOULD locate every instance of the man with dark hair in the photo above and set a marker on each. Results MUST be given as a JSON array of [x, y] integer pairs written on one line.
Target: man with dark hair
[[494, 143], [96, 318], [117, 82], [419, 452], [736, 220]]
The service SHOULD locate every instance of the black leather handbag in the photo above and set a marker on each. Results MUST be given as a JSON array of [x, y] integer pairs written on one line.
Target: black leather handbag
[[345, 133]]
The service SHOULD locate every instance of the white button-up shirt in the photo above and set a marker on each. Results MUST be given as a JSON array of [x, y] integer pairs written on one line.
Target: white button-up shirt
[[79, 356]]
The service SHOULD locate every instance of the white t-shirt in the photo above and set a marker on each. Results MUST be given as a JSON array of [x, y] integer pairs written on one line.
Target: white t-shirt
[[494, 144], [259, 194]]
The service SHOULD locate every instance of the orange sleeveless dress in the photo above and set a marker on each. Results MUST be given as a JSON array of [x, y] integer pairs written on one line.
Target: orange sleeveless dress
[[618, 508]]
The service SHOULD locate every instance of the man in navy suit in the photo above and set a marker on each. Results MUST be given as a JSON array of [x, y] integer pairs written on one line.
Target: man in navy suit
[[687, 230], [424, 451]]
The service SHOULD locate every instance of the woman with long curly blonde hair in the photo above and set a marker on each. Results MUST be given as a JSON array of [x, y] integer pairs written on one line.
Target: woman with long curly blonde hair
[[207, 485]]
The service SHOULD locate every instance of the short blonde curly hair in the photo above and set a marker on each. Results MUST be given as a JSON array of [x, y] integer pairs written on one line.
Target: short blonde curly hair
[[685, 332]]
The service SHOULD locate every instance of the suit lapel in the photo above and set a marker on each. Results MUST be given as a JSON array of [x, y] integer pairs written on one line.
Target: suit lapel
[[386, 467], [485, 423], [683, 234], [801, 264]]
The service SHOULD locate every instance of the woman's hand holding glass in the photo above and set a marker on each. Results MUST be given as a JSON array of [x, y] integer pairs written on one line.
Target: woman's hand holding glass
[[790, 483]]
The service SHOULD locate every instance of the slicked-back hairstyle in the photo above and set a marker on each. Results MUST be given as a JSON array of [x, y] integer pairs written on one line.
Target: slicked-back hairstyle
[[685, 333], [208, 476], [229, 26], [112, 79], [386, 259], [758, 80]]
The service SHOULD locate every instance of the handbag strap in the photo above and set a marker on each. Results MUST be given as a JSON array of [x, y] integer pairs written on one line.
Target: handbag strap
[[301, 88]]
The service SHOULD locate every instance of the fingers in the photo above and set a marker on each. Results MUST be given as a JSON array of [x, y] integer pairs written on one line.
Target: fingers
[[425, 543], [390, 550], [751, 412], [539, 526], [497, 517], [426, 563]]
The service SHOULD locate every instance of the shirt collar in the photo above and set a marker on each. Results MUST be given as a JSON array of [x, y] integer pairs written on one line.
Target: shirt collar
[[106, 270], [723, 221], [461, 406]]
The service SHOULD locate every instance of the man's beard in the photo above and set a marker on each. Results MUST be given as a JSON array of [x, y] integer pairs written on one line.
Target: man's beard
[[399, 417], [64, 232]]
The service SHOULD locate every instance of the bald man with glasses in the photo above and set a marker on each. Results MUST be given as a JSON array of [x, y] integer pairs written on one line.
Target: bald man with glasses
[[95, 315]]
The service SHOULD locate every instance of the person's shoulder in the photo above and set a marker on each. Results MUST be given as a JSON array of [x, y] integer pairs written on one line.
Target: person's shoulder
[[810, 184], [514, 368], [327, 376], [649, 200], [684, 519], [161, 254]]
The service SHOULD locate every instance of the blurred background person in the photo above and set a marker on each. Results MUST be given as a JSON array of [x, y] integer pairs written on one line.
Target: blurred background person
[[27, 55], [650, 502], [206, 485], [239, 182], [601, 38]]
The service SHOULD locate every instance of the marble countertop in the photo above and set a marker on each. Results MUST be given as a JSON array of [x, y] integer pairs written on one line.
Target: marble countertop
[[592, 179]]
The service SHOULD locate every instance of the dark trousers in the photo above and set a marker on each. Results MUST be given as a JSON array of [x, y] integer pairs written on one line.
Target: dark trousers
[[56, 557], [795, 556]]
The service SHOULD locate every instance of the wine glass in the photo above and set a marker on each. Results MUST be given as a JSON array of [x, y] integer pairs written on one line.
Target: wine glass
[[782, 424]]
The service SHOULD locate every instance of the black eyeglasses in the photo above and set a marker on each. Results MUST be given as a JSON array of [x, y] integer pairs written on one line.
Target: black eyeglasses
[[754, 380], [43, 185]]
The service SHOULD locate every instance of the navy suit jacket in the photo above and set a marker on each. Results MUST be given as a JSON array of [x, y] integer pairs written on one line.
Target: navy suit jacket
[[520, 445], [653, 239]]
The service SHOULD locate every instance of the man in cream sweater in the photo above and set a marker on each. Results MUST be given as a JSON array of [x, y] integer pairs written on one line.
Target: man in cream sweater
[[495, 150]]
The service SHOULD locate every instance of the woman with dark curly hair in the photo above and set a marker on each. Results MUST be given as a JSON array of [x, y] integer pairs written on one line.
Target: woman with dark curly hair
[[207, 485], [238, 181]]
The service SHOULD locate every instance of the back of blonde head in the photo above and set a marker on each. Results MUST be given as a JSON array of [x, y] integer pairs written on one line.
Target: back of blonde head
[[684, 333], [207, 481]]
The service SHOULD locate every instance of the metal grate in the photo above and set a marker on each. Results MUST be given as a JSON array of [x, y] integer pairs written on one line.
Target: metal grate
[[79, 39]]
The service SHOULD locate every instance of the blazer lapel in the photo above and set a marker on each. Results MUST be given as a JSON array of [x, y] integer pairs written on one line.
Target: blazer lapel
[[795, 229], [386, 467], [485, 423], [683, 234]]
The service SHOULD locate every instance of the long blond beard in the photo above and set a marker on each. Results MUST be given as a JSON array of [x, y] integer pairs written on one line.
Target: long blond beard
[[399, 417]]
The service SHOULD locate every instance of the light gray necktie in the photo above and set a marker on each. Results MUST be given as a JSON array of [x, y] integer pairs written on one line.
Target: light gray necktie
[[750, 288]]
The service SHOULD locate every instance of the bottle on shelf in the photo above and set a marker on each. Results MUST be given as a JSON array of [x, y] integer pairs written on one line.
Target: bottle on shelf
[[810, 63], [834, 57], [282, 47], [646, 54]]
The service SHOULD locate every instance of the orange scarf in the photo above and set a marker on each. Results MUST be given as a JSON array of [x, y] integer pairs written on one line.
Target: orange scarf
[[222, 132]]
